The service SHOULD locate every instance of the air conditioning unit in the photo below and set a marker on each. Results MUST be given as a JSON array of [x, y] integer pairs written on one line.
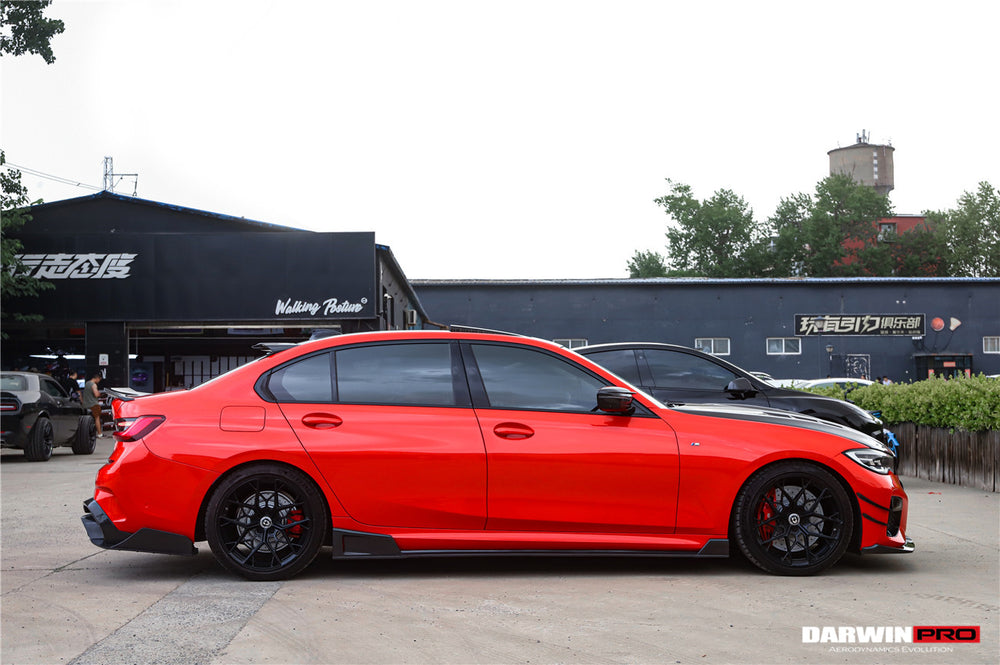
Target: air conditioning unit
[[411, 317]]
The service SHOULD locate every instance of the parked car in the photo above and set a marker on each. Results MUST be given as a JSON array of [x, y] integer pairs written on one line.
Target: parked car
[[38, 414], [844, 383], [396, 444], [681, 375]]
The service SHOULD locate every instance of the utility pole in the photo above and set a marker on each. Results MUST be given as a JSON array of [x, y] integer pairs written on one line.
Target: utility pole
[[110, 175]]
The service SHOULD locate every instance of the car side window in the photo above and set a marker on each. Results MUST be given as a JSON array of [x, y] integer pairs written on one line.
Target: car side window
[[415, 374], [519, 378], [307, 380], [620, 361], [50, 387], [678, 370]]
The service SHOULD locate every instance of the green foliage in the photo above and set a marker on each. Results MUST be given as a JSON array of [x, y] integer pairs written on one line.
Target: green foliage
[[920, 252], [646, 264], [711, 238], [24, 28], [971, 404], [13, 215], [834, 233], [971, 232]]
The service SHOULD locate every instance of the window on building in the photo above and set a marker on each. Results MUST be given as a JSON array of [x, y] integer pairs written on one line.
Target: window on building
[[784, 346], [887, 232], [717, 346], [991, 344], [571, 342]]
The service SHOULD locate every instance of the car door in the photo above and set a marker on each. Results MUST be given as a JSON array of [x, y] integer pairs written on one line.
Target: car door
[[678, 378], [64, 412], [392, 431], [555, 463]]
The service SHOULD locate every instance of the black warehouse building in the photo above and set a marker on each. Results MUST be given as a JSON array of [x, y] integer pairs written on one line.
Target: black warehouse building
[[904, 328], [158, 296]]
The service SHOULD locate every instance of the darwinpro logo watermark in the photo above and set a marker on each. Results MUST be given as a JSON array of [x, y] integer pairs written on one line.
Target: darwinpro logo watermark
[[897, 637]]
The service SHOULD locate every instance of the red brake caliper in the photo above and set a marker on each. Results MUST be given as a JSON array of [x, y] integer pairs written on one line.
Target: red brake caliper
[[764, 515]]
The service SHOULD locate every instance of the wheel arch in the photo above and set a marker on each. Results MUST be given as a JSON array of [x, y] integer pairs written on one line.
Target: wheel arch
[[199, 528], [855, 543]]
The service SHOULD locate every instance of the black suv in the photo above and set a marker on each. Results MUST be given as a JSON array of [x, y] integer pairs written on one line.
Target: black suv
[[678, 375]]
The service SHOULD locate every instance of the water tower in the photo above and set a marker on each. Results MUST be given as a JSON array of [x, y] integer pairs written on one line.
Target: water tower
[[867, 163]]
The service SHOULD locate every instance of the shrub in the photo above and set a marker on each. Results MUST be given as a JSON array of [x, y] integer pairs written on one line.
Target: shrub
[[971, 404]]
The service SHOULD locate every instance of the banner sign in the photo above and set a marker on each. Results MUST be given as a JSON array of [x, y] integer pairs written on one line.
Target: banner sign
[[881, 325], [203, 277]]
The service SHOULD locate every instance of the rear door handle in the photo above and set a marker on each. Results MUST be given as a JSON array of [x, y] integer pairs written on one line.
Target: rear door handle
[[513, 431], [322, 420]]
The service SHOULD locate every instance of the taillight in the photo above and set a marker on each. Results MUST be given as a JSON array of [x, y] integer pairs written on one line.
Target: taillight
[[133, 429]]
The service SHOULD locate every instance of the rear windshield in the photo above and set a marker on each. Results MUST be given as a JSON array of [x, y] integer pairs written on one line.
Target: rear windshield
[[13, 382]]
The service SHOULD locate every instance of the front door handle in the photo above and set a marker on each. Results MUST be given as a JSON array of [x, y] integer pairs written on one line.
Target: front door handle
[[322, 420], [513, 431]]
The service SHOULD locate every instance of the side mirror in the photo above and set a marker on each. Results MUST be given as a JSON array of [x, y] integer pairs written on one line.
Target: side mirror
[[612, 399], [740, 387]]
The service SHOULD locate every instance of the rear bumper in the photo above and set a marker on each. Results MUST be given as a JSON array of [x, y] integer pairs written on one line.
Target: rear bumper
[[105, 534]]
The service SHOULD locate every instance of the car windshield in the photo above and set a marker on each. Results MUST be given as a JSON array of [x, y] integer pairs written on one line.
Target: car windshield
[[13, 382]]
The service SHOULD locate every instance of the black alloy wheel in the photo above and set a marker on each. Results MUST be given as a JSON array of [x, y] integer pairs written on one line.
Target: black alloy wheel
[[793, 518], [39, 445], [85, 440], [266, 522]]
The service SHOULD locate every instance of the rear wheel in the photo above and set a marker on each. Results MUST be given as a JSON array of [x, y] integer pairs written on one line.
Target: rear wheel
[[85, 440], [39, 445], [793, 518], [266, 522]]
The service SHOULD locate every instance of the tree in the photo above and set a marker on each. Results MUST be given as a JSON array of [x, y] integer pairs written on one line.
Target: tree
[[834, 233], [971, 232], [646, 264], [14, 283], [24, 29], [711, 238], [920, 252]]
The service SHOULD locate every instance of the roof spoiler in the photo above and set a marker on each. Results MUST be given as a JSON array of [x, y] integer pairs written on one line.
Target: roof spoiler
[[269, 348], [124, 394]]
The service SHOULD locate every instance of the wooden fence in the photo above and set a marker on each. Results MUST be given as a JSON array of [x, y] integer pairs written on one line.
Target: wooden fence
[[970, 459]]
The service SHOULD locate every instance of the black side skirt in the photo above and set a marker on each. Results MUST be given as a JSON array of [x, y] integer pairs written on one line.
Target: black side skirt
[[358, 544]]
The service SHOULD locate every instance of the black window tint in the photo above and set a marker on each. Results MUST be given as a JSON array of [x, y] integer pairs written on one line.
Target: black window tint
[[621, 362], [517, 378], [52, 388], [307, 380], [673, 369], [396, 374]]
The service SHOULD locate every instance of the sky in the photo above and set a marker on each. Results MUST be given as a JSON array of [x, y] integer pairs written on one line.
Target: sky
[[500, 140]]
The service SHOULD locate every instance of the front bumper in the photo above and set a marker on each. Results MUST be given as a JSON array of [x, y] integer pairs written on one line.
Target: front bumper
[[884, 526], [105, 534]]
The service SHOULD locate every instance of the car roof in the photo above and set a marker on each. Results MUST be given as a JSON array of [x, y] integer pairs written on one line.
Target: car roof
[[613, 346]]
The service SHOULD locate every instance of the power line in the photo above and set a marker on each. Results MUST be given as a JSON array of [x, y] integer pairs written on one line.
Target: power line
[[49, 176]]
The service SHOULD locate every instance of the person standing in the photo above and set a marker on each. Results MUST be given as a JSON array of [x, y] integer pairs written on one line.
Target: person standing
[[70, 384], [91, 399]]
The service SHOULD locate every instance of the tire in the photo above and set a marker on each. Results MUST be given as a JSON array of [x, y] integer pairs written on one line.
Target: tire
[[793, 518], [40, 441], [266, 522], [85, 441]]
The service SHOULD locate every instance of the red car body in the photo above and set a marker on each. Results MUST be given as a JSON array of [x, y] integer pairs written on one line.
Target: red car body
[[469, 473]]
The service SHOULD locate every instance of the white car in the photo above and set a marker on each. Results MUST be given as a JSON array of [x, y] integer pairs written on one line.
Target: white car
[[844, 383]]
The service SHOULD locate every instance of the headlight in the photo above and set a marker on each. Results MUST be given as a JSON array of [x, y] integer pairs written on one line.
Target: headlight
[[872, 459]]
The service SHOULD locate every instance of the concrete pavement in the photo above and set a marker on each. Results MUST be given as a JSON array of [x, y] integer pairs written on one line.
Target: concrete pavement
[[66, 601]]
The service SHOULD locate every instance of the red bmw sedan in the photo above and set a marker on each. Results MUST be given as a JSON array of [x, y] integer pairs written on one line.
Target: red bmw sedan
[[399, 444]]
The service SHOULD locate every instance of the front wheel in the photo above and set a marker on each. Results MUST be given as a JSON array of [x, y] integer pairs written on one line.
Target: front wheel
[[266, 522], [793, 518]]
